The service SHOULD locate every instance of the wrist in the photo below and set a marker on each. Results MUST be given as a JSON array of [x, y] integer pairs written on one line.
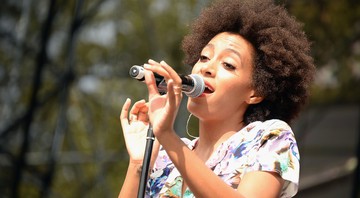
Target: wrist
[[166, 137], [135, 167]]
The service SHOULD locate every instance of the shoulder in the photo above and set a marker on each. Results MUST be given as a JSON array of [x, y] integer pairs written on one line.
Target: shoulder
[[270, 129], [276, 151], [268, 125], [274, 135], [258, 132], [276, 129]]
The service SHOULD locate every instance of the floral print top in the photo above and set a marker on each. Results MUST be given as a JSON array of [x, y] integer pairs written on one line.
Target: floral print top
[[260, 146]]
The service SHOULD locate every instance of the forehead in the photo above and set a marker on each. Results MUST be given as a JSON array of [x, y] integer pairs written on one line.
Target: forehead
[[231, 41]]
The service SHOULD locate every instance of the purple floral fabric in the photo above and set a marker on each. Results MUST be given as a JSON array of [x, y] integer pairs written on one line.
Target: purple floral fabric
[[260, 146]]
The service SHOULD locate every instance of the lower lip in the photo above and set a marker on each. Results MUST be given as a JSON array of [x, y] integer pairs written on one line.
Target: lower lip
[[203, 95]]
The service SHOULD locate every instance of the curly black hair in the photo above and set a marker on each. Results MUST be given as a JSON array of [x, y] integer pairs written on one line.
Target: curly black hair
[[283, 67]]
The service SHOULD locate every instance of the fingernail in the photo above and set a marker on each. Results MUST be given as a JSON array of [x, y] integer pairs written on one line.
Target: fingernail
[[163, 63], [151, 61], [146, 66]]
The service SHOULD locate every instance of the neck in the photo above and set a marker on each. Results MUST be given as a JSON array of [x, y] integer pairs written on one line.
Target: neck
[[212, 133]]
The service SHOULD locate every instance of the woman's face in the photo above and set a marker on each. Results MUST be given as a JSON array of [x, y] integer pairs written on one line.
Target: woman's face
[[226, 64]]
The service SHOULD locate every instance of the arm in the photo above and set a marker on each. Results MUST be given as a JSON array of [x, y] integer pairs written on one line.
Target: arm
[[131, 182], [204, 183], [134, 131]]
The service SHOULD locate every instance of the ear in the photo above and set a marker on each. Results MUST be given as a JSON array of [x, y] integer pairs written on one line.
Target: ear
[[254, 98]]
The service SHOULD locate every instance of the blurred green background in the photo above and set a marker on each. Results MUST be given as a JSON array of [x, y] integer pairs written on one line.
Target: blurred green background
[[64, 77]]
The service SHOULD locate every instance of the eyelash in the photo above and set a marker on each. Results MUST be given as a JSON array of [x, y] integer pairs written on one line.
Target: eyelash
[[226, 65], [229, 66], [202, 57]]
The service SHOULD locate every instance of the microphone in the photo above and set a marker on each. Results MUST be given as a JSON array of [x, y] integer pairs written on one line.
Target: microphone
[[192, 85]]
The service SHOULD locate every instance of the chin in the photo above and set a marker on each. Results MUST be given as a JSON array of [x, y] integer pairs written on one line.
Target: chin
[[197, 110], [193, 107]]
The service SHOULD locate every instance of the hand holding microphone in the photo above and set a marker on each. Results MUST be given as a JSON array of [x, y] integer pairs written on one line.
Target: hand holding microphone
[[192, 85]]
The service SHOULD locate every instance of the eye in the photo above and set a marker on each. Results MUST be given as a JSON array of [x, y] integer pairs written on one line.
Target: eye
[[229, 66], [203, 58]]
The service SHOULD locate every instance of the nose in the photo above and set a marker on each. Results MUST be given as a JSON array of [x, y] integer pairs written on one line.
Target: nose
[[208, 69]]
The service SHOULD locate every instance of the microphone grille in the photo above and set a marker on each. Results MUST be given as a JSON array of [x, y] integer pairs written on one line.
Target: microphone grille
[[137, 72], [199, 86]]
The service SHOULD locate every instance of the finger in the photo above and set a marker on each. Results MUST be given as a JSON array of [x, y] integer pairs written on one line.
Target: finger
[[136, 109], [173, 94], [151, 83], [143, 117], [143, 113], [171, 73], [124, 113], [157, 68]]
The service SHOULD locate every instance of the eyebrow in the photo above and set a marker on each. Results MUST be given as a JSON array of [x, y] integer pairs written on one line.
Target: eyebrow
[[209, 45], [227, 49], [234, 51]]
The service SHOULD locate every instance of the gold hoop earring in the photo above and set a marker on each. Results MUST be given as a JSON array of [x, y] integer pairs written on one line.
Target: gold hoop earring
[[187, 127]]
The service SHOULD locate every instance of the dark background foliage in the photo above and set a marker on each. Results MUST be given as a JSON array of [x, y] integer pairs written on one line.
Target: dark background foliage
[[64, 77]]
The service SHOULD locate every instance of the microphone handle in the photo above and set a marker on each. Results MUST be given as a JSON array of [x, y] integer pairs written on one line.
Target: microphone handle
[[192, 85], [187, 84]]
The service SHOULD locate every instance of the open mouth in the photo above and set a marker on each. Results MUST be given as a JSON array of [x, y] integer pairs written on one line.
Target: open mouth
[[208, 89]]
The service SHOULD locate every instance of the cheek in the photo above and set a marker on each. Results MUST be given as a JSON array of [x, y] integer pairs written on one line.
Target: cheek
[[195, 69], [236, 91]]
